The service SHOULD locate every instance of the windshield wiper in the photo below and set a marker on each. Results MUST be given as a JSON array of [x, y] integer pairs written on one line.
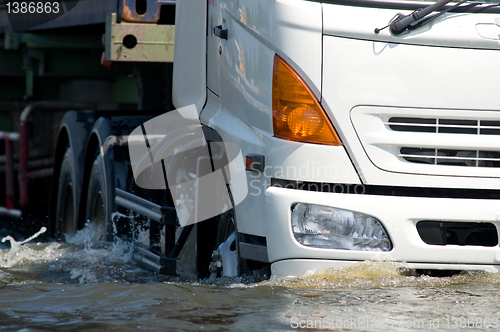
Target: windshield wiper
[[400, 23]]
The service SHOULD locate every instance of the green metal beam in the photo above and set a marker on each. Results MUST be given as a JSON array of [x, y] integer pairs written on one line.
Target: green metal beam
[[13, 41]]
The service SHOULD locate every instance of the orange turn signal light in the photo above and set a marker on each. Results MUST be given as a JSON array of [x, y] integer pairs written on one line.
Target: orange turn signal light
[[297, 115]]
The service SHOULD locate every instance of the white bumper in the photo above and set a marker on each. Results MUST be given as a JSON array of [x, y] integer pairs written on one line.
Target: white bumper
[[399, 216]]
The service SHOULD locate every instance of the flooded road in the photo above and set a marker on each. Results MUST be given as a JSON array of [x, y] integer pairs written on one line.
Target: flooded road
[[50, 286]]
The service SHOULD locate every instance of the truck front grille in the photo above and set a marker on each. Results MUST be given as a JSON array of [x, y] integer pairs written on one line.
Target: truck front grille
[[430, 141], [449, 126], [468, 158], [449, 157]]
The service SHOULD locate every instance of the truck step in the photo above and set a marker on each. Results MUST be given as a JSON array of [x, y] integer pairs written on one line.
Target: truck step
[[154, 262], [158, 213]]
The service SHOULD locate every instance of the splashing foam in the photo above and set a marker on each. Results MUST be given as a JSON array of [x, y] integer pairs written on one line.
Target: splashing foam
[[18, 251], [369, 274], [95, 255], [87, 236], [84, 258]]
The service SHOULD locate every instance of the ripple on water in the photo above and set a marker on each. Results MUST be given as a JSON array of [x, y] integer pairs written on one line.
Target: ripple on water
[[86, 285]]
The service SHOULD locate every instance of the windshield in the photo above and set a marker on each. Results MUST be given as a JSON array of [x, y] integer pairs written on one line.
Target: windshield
[[472, 6]]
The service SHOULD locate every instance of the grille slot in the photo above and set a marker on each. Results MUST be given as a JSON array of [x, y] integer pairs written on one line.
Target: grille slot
[[458, 233], [468, 158], [445, 126]]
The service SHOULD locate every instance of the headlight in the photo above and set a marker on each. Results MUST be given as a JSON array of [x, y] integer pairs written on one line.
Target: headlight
[[328, 227]]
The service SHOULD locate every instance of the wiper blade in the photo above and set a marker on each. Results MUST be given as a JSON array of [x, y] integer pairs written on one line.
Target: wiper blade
[[400, 23]]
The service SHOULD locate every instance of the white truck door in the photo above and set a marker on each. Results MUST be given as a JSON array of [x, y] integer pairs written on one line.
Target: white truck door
[[214, 46], [189, 78]]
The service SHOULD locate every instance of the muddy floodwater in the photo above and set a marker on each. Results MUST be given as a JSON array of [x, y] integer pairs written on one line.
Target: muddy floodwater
[[75, 286]]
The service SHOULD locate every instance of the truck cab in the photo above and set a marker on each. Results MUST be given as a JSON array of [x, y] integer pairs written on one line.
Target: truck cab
[[378, 144]]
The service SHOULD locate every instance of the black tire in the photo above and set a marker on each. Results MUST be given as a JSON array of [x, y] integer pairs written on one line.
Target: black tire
[[227, 227], [66, 212], [97, 208]]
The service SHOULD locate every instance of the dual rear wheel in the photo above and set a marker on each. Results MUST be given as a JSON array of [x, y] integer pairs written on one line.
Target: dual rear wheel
[[96, 207]]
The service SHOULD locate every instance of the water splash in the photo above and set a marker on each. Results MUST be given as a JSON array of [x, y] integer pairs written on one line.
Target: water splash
[[380, 274], [82, 259], [13, 256], [138, 225], [93, 262], [114, 217], [87, 236]]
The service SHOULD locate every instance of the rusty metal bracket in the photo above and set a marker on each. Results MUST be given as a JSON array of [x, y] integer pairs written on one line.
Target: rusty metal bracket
[[140, 42], [143, 11]]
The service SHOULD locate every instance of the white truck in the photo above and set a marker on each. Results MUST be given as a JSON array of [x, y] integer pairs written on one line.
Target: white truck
[[369, 129]]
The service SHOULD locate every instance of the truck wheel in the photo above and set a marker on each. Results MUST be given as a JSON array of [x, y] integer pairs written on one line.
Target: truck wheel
[[97, 207], [66, 221]]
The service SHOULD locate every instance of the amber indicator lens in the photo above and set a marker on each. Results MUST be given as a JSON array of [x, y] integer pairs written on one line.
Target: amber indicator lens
[[297, 114]]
